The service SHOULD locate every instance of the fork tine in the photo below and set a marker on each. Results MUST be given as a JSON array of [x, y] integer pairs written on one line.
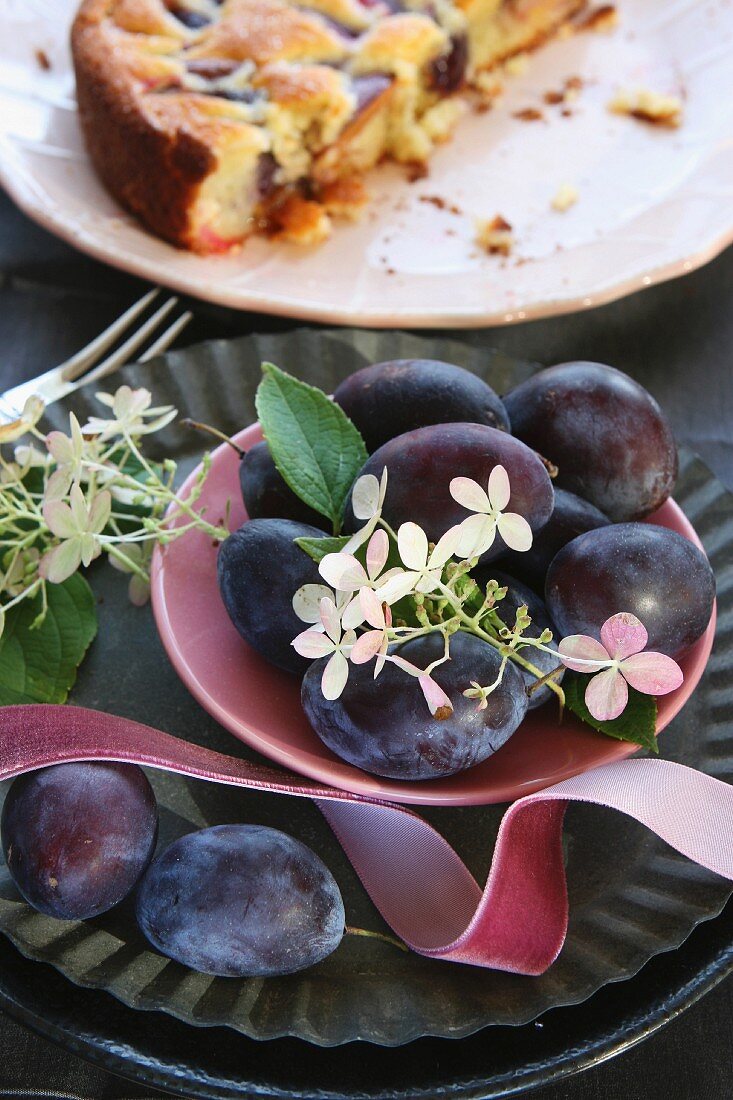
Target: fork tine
[[125, 351], [166, 338], [89, 354]]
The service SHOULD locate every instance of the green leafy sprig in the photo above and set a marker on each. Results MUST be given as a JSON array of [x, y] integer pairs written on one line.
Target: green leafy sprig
[[65, 500]]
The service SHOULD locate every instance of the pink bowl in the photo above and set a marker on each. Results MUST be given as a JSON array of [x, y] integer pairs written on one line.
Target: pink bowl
[[261, 705]]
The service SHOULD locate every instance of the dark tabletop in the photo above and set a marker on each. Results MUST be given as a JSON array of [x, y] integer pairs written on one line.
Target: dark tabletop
[[676, 339]]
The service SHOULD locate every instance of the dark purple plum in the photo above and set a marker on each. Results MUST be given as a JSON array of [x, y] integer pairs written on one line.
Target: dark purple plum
[[389, 399], [518, 594], [189, 17], [649, 571], [384, 726], [448, 72], [77, 837], [571, 516], [608, 437], [241, 901], [368, 87], [266, 495], [260, 568], [422, 463]]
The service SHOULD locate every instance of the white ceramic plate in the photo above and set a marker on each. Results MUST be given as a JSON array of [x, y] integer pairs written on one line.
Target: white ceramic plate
[[653, 203]]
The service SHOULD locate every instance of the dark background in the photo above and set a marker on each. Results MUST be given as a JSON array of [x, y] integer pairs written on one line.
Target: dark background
[[676, 339]]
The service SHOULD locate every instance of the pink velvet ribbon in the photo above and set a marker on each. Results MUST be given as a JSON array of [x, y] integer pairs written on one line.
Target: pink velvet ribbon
[[518, 922]]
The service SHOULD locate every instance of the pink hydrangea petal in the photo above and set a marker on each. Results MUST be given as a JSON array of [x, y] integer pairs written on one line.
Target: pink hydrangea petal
[[360, 537], [406, 666], [623, 634], [469, 494], [652, 673], [307, 602], [58, 564], [353, 615], [312, 644], [343, 572], [606, 695], [99, 512], [138, 591], [335, 675], [365, 496], [429, 581], [435, 697], [398, 586], [477, 535], [90, 548], [377, 553], [78, 508], [515, 531], [499, 490], [331, 618], [59, 519], [60, 447], [412, 543], [367, 646], [445, 548], [578, 649], [57, 486], [371, 606]]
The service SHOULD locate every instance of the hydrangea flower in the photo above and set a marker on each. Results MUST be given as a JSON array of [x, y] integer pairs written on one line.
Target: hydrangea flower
[[31, 414], [479, 531], [374, 642], [138, 589], [67, 452], [424, 566], [346, 574], [319, 643], [131, 414], [367, 501], [78, 525], [437, 700], [619, 660]]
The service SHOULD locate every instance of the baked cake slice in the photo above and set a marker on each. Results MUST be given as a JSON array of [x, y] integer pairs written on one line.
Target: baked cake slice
[[212, 121]]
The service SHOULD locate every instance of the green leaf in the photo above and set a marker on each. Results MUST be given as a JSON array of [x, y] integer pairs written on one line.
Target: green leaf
[[314, 445], [318, 548], [637, 723], [39, 665]]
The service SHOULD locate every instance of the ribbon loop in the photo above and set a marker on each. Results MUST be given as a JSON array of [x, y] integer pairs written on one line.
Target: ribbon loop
[[422, 888]]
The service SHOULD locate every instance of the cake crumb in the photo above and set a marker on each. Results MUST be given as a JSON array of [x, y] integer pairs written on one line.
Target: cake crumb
[[441, 203], [44, 61], [517, 65], [495, 235], [487, 83], [659, 110], [565, 197], [417, 170], [601, 20], [529, 114], [567, 94]]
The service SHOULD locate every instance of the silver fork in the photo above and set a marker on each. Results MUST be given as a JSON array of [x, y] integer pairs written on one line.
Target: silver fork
[[86, 367]]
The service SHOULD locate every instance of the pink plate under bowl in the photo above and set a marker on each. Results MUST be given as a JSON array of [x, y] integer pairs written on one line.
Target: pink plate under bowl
[[261, 705]]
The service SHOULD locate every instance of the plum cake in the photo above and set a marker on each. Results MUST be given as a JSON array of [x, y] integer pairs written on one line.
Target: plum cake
[[212, 121]]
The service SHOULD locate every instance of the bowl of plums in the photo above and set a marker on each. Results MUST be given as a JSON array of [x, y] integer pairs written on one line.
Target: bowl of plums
[[437, 595]]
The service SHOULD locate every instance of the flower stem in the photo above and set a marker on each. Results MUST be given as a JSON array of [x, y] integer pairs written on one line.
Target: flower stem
[[392, 940]]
